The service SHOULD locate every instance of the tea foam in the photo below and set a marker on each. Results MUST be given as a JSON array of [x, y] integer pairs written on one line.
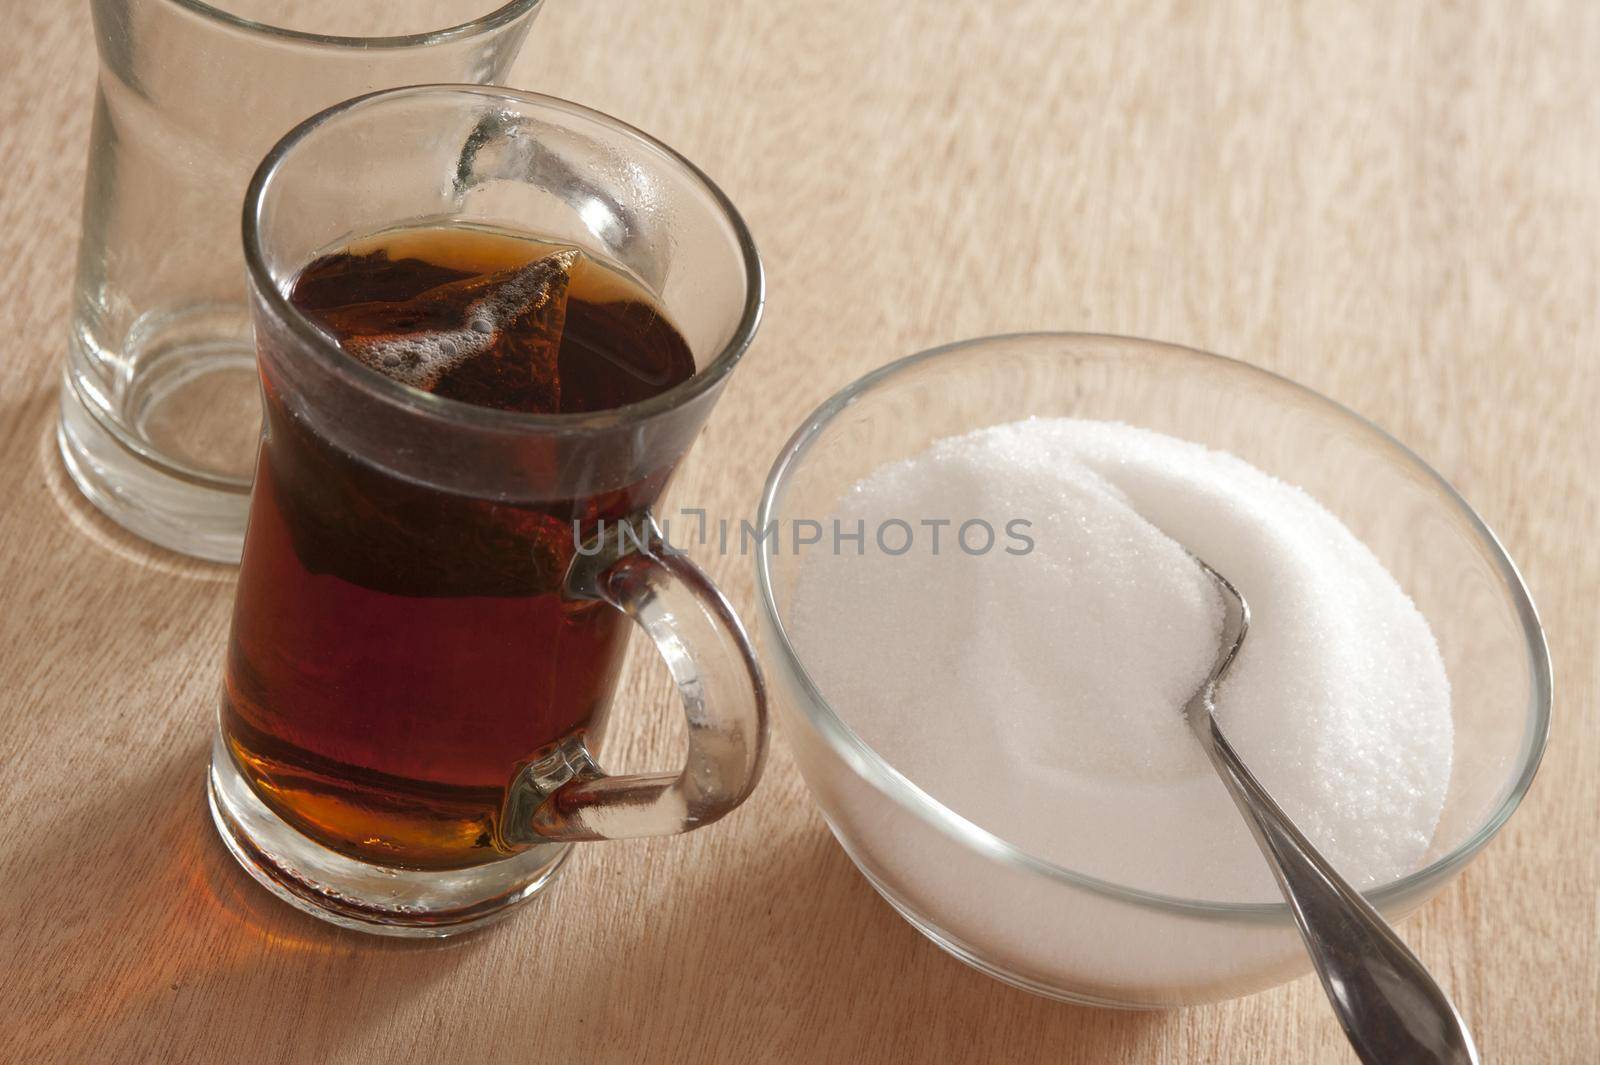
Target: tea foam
[[1040, 694], [421, 358]]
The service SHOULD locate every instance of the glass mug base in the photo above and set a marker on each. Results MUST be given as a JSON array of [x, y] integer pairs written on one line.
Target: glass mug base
[[165, 448], [358, 895]]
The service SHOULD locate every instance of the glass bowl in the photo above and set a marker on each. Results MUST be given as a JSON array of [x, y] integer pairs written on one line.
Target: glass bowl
[[1045, 927]]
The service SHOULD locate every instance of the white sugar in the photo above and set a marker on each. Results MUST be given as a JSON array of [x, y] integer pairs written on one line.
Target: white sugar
[[1038, 691]]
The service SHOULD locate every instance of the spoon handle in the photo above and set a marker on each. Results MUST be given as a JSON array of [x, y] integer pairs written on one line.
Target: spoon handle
[[1391, 1009]]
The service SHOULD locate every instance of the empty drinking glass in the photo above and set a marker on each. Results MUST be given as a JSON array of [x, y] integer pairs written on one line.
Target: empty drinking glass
[[159, 407]]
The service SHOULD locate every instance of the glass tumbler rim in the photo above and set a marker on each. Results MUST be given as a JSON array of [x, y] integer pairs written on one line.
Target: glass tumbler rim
[[876, 770], [350, 371], [504, 14]]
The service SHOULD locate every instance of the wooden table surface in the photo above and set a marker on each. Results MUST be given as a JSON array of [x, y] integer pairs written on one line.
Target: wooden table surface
[[1396, 204]]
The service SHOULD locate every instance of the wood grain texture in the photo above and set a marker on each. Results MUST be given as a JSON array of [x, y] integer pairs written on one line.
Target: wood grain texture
[[1397, 204]]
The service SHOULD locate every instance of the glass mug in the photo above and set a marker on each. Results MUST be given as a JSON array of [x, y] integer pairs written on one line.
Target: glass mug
[[159, 406], [431, 616]]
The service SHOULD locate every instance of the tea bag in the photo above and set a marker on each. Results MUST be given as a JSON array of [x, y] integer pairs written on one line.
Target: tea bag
[[493, 340]]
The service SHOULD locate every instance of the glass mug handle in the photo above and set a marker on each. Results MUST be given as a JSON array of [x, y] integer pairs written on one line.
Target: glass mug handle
[[714, 667]]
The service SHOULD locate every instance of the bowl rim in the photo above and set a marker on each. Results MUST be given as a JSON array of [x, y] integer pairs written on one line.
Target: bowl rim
[[876, 770]]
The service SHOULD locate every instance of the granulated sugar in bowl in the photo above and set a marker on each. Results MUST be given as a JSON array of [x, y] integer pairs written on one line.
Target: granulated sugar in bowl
[[982, 628]]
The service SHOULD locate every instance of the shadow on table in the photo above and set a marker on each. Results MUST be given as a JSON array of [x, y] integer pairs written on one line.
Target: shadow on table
[[128, 925], [799, 960], [132, 928], [37, 417]]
